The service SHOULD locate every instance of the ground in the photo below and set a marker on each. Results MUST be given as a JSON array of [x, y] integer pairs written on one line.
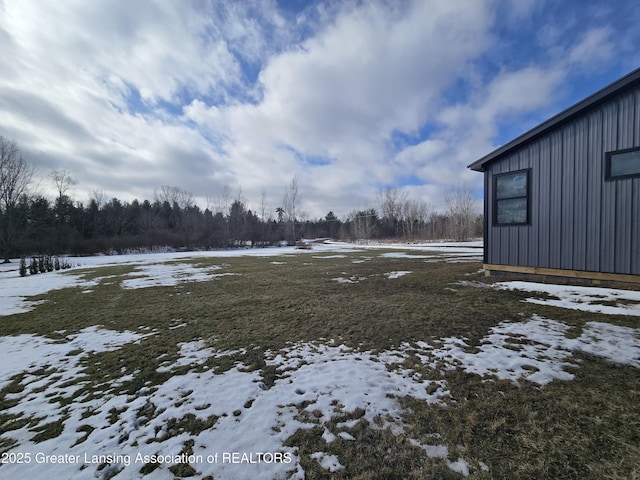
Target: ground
[[342, 361]]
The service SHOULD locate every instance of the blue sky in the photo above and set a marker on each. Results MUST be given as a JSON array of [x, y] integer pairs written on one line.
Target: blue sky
[[346, 96]]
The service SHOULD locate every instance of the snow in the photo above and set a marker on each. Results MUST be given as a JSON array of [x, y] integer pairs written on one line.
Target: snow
[[321, 380], [248, 423], [346, 436], [538, 349], [432, 451], [328, 462], [397, 274], [26, 353], [170, 274], [460, 466], [588, 299], [14, 290], [352, 279]]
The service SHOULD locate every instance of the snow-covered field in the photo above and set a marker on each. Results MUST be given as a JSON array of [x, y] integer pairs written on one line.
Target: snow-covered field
[[247, 422]]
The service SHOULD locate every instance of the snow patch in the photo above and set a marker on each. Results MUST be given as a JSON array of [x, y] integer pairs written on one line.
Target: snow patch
[[538, 350], [328, 462], [170, 274], [397, 274], [588, 299]]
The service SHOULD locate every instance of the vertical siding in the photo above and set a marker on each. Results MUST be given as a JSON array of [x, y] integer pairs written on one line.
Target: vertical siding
[[581, 210], [555, 196], [622, 234], [608, 212], [523, 240], [534, 178], [624, 190], [635, 228], [593, 162], [568, 219], [543, 202], [635, 196], [578, 220]]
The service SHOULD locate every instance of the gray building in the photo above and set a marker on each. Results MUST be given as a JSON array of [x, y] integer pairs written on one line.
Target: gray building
[[563, 199]]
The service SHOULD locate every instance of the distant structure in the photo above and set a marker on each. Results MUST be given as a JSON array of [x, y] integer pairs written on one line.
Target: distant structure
[[563, 199]]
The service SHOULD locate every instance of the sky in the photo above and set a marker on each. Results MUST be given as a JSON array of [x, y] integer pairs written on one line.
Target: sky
[[347, 97]]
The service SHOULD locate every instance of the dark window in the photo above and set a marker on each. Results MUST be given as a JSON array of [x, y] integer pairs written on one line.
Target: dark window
[[622, 164], [511, 203]]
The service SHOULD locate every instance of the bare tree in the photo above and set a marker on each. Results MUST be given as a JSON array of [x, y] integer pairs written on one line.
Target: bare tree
[[15, 177], [263, 204], [289, 205], [175, 195], [225, 200], [461, 210], [63, 180], [98, 196], [64, 183], [264, 207], [362, 223], [414, 217], [390, 201]]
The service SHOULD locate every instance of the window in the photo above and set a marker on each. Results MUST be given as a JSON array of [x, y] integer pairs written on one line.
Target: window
[[511, 202], [622, 164]]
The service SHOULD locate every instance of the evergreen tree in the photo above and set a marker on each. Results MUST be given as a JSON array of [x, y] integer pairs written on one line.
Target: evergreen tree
[[23, 266]]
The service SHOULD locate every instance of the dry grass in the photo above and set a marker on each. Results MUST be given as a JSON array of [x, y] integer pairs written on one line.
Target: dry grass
[[585, 428]]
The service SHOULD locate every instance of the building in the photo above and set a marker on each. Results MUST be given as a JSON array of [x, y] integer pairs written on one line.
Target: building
[[563, 199]]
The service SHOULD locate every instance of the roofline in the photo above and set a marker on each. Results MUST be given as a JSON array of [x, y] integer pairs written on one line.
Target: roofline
[[561, 117]]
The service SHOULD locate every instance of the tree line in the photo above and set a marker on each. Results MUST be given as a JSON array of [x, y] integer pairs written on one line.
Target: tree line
[[33, 224]]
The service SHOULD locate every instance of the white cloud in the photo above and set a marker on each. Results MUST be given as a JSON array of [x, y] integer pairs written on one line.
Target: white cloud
[[594, 47], [468, 128], [521, 91], [128, 96], [342, 93]]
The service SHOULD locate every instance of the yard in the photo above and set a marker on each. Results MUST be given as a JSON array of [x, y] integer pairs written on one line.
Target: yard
[[342, 361]]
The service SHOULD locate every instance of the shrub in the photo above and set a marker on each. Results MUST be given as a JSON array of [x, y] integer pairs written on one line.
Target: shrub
[[33, 266], [23, 267]]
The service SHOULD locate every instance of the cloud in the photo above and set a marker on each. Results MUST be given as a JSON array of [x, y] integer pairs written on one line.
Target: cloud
[[594, 48], [373, 70], [346, 96], [468, 129], [342, 93]]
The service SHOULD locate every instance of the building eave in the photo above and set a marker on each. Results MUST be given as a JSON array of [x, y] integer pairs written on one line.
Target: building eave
[[562, 117]]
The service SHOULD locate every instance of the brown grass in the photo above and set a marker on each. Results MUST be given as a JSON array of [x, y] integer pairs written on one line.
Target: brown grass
[[585, 428]]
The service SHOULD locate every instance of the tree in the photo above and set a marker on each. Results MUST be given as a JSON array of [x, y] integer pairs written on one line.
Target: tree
[[237, 219], [64, 183], [332, 224], [265, 225], [391, 201], [289, 205], [362, 223], [461, 209], [414, 217], [177, 195], [15, 177], [41, 223], [263, 205]]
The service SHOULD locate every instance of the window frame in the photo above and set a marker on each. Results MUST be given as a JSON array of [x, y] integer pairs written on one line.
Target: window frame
[[526, 196], [608, 156]]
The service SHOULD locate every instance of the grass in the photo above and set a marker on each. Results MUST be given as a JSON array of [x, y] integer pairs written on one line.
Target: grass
[[585, 428]]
